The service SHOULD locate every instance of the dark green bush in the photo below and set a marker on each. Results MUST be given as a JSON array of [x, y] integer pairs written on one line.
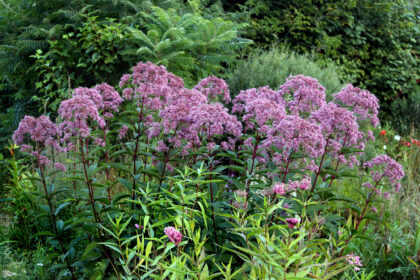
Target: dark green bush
[[377, 42]]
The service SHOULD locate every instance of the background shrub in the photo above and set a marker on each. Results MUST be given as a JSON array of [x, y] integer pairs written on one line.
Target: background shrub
[[273, 67]]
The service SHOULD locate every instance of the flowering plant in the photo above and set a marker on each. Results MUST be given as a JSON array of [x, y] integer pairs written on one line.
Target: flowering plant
[[237, 183]]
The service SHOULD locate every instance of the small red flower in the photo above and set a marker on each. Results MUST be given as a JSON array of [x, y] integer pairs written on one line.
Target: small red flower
[[408, 144], [383, 132]]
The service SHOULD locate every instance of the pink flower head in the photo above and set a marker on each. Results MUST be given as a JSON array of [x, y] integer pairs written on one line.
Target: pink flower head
[[364, 104], [308, 94], [41, 130], [241, 193], [151, 85], [389, 169], [213, 87], [294, 134], [292, 222], [59, 166], [77, 113], [339, 126], [262, 106], [354, 260], [173, 234], [123, 132], [303, 184], [279, 188], [110, 97]]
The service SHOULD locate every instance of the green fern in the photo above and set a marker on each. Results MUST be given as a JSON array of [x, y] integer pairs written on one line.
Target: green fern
[[187, 44]]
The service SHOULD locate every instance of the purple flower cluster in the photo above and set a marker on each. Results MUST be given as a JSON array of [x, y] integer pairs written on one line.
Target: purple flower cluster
[[111, 99], [262, 106], [150, 85], [212, 87], [339, 126], [78, 114], [363, 104], [386, 168], [189, 115], [294, 134], [292, 222], [41, 130], [308, 95], [354, 260], [173, 234]]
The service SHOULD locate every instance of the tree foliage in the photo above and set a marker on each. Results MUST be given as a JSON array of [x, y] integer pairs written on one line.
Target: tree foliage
[[377, 42]]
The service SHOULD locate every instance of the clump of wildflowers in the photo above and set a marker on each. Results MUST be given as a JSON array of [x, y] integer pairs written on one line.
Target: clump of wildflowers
[[173, 234], [294, 134], [279, 188], [60, 166], [292, 222], [123, 132], [111, 99], [339, 127], [212, 87], [354, 260], [388, 168], [259, 106], [41, 130], [364, 104], [308, 95], [77, 113]]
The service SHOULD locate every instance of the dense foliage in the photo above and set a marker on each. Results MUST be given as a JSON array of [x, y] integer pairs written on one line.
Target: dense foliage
[[375, 42], [273, 67], [165, 182]]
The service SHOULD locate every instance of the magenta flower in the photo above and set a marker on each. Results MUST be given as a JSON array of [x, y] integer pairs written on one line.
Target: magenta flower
[[364, 104], [212, 87], [173, 234], [111, 99], [261, 106], [294, 134], [123, 132], [354, 260], [390, 168], [41, 130], [279, 189], [339, 126], [59, 166], [308, 94], [303, 184], [241, 193], [292, 222], [77, 113]]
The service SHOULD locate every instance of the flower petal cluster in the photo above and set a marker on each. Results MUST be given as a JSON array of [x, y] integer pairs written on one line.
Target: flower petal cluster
[[294, 134], [339, 126], [354, 260], [111, 99], [173, 234], [390, 169], [41, 130], [261, 106], [279, 188], [150, 85], [292, 222], [308, 94], [212, 87], [190, 117], [364, 104], [77, 113]]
